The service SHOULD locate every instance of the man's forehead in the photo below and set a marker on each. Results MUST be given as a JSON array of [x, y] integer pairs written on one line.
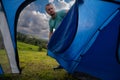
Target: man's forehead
[[49, 6]]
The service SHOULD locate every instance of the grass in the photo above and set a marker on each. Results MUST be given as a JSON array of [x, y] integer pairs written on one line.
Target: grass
[[35, 65], [4, 61], [26, 47], [38, 66]]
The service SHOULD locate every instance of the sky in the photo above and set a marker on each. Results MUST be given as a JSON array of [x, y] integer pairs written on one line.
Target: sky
[[33, 19]]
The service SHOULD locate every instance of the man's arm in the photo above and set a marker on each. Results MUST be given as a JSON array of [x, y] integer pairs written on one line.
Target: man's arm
[[50, 34]]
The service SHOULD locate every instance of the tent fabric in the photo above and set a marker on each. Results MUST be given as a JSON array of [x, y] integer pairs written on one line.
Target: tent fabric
[[102, 60], [95, 45], [89, 41], [12, 12], [62, 42], [1, 70], [8, 43], [119, 48]]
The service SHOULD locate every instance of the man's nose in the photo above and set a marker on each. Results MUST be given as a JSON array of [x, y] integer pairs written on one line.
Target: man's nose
[[50, 10]]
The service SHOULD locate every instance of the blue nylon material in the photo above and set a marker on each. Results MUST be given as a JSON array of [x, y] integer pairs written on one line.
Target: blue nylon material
[[93, 17], [1, 71], [101, 60], [61, 42], [117, 0], [118, 55], [88, 41], [10, 8]]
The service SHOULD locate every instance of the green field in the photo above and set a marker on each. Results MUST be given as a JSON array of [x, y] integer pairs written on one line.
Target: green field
[[36, 65]]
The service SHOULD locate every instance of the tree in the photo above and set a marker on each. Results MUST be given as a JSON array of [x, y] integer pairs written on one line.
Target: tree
[[32, 40]]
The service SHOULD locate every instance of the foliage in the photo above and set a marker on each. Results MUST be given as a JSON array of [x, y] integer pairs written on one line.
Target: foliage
[[40, 48], [31, 40], [27, 47]]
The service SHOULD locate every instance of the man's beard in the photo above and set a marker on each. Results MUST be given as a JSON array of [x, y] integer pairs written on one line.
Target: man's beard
[[53, 15]]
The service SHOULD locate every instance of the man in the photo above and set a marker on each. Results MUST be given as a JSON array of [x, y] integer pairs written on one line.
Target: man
[[55, 20]]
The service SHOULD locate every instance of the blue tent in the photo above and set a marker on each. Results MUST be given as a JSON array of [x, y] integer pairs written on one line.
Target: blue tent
[[1, 70], [88, 41], [10, 14]]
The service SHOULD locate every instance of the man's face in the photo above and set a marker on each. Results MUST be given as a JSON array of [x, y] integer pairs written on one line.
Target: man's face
[[50, 10]]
